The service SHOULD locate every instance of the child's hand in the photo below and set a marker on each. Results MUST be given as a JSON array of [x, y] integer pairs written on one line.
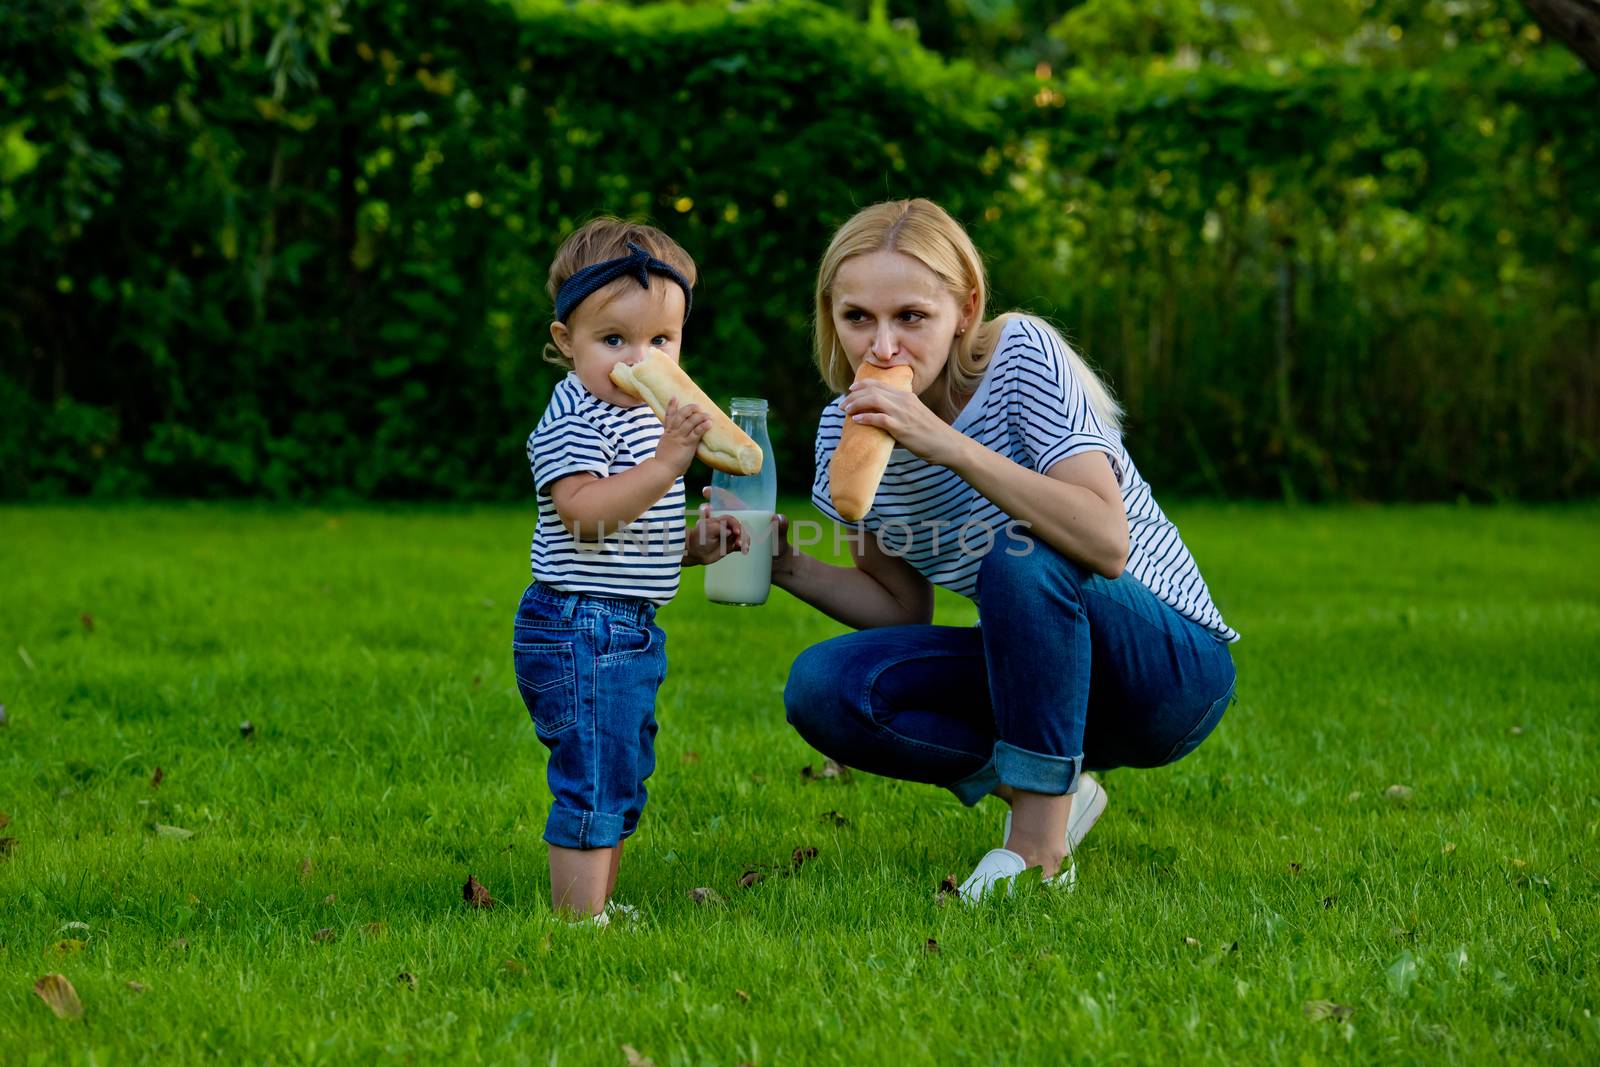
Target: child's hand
[[713, 537], [684, 428]]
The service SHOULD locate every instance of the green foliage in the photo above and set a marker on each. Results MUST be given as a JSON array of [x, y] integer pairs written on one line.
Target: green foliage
[[294, 249]]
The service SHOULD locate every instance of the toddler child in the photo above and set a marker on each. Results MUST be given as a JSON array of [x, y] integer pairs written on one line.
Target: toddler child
[[610, 541]]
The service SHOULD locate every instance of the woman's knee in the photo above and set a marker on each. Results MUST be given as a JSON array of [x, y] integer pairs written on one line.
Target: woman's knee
[[811, 697]]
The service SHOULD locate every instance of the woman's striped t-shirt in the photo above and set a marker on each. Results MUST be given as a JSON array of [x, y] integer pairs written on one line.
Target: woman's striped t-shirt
[[580, 433], [1030, 408]]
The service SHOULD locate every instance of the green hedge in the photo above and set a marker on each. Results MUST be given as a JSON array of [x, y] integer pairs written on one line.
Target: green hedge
[[297, 257]]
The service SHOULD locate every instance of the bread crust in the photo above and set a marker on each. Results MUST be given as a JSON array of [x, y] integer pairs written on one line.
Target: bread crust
[[657, 379], [863, 453]]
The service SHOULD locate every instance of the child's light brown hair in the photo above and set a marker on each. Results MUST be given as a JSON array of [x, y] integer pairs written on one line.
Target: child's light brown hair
[[606, 238]]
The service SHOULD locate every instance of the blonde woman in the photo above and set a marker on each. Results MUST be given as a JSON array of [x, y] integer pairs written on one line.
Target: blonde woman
[[1098, 643]]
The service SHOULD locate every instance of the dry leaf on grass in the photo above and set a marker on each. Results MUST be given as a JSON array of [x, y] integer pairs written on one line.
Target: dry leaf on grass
[[1192, 942], [375, 929], [157, 778], [705, 896], [514, 968], [1295, 868], [835, 818], [749, 878], [798, 858], [177, 833], [330, 898], [932, 947], [476, 895], [305, 868], [67, 946], [138, 987], [324, 935], [407, 979], [88, 622], [830, 769], [247, 730], [1317, 1010], [689, 759], [1398, 792], [56, 991], [637, 1058], [742, 995], [7, 846], [947, 888], [5, 820]]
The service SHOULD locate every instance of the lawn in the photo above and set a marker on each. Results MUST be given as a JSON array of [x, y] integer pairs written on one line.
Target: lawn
[[1387, 852]]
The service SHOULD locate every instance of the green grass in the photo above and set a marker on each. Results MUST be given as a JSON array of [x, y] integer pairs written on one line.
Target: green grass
[[1452, 651]]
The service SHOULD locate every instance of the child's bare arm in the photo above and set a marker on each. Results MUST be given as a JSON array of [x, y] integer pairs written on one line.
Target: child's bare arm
[[591, 507]]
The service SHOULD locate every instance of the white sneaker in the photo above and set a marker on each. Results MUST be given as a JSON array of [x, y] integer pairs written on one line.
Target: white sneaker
[[625, 915], [1088, 803], [999, 869]]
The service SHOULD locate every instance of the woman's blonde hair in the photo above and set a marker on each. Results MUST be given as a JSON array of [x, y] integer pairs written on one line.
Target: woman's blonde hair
[[924, 231], [606, 238]]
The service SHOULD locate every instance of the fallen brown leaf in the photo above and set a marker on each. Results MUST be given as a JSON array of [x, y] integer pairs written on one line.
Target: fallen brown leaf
[[1317, 1010], [157, 778], [67, 946], [406, 978], [742, 995], [800, 855], [330, 898], [1294, 868], [7, 845], [1516, 731], [376, 929], [177, 833], [305, 868], [323, 936], [637, 1058], [1328, 902], [476, 895], [247, 730], [932, 947], [706, 896], [947, 888], [57, 992], [835, 818], [690, 758], [1192, 942], [750, 878], [1398, 792], [179, 943], [138, 987], [5, 820], [1449, 847], [88, 622]]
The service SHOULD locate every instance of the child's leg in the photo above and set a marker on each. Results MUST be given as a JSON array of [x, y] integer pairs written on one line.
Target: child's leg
[[581, 878]]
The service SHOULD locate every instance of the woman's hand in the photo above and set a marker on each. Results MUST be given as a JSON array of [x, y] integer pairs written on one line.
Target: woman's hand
[[906, 418]]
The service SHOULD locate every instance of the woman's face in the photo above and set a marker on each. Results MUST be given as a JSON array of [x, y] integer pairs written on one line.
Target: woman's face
[[890, 309]]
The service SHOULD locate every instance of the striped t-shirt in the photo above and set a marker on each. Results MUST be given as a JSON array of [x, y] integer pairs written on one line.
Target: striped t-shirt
[[1030, 408], [580, 432]]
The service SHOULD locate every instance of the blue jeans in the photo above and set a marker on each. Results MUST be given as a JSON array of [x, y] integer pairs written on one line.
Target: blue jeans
[[1066, 671], [588, 668]]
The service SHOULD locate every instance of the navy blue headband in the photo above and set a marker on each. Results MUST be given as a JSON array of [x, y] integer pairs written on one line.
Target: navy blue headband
[[639, 265]]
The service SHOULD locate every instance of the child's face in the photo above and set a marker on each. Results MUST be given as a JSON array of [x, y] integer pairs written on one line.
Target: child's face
[[619, 324]]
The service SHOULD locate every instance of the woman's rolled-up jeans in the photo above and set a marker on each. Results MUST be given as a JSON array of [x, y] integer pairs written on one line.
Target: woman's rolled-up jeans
[[1067, 671]]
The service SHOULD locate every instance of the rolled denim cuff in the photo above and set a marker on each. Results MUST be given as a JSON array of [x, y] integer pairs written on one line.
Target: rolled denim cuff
[[1035, 772], [568, 828], [975, 786]]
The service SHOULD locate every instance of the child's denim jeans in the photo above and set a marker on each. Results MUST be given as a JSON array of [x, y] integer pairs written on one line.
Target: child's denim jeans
[[588, 668]]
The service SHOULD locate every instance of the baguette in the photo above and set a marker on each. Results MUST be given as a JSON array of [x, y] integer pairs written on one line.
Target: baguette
[[863, 452], [657, 379]]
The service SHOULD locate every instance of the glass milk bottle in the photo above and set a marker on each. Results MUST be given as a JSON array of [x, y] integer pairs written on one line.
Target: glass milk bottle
[[741, 578]]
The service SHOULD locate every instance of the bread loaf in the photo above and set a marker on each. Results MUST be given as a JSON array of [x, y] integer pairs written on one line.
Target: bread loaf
[[863, 452], [657, 379]]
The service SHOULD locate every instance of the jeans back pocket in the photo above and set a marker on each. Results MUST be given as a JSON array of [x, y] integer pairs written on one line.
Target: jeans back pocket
[[547, 676]]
